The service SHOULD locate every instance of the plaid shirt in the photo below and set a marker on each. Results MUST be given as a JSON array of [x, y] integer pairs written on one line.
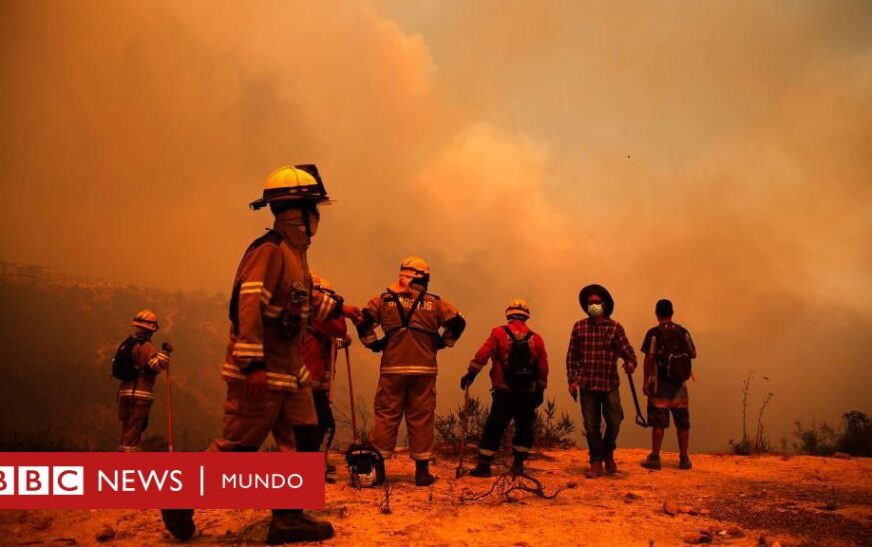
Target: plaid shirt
[[592, 358]]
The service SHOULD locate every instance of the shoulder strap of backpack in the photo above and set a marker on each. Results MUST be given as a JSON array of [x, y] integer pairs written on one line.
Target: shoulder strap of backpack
[[405, 318], [510, 333]]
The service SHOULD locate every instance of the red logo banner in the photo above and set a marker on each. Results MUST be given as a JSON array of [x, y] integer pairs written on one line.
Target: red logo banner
[[161, 480]]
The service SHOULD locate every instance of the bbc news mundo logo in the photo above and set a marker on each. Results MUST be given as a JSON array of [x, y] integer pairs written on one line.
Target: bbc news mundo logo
[[114, 480]]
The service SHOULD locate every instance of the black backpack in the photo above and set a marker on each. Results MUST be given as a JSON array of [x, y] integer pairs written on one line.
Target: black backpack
[[520, 371], [123, 366], [673, 354]]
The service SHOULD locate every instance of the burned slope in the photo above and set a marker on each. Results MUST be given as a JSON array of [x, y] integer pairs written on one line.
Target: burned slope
[[60, 334]]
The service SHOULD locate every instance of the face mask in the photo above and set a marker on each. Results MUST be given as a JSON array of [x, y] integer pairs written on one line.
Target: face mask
[[595, 310]]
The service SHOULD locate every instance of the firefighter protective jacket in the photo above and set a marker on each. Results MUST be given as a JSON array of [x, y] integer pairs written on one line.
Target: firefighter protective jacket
[[497, 348], [318, 343], [271, 305], [411, 348], [150, 362]]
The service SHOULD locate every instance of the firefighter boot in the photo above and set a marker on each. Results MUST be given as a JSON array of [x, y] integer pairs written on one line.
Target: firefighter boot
[[292, 526], [482, 469], [422, 473], [379, 474], [179, 523]]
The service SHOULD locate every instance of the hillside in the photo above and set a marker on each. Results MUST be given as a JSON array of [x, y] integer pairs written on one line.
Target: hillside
[[59, 335], [738, 501]]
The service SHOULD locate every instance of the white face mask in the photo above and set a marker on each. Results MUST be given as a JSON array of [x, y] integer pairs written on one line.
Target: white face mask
[[595, 310]]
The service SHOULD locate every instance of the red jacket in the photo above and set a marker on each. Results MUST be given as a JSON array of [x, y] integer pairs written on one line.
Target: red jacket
[[497, 347], [316, 349]]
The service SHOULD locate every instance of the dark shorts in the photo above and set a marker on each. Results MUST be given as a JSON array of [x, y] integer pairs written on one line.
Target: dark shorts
[[658, 418]]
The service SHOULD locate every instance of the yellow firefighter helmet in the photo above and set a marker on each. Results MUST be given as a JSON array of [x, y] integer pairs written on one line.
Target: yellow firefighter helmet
[[518, 308], [415, 264], [146, 319], [297, 183]]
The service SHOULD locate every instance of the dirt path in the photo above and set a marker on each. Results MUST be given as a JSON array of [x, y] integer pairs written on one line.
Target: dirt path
[[739, 500]]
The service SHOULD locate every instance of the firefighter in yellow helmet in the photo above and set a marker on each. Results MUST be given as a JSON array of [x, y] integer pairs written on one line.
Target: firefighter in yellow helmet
[[411, 319], [137, 364], [272, 302]]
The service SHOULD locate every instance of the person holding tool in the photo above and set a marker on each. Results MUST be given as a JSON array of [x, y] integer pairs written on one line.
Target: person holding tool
[[519, 375], [595, 345], [320, 342], [137, 364]]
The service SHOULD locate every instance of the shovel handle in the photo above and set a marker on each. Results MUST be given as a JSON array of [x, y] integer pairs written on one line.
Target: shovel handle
[[351, 398], [463, 429], [169, 410], [332, 370]]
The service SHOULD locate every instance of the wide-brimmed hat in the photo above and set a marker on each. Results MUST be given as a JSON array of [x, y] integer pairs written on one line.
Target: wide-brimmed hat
[[608, 302]]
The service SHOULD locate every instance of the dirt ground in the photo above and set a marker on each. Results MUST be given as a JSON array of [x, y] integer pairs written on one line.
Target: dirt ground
[[727, 500]]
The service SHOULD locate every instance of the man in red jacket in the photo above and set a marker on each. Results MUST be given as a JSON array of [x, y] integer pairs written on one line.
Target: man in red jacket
[[519, 374]]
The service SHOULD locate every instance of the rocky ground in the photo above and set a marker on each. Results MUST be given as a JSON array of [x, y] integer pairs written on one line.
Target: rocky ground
[[725, 499]]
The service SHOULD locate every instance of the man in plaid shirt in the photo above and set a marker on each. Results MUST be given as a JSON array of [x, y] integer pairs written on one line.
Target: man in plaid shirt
[[592, 369]]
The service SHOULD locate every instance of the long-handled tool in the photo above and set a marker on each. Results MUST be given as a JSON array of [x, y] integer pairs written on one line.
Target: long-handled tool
[[640, 420], [365, 463], [168, 348], [460, 471], [334, 344]]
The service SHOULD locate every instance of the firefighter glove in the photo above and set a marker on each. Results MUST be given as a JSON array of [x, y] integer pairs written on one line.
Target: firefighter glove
[[467, 380]]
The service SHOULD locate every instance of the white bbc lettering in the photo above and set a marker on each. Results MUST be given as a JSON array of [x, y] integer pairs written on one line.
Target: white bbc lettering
[[33, 480], [68, 480], [7, 480]]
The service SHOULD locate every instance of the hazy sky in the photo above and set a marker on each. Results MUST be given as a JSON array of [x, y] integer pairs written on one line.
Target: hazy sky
[[716, 153]]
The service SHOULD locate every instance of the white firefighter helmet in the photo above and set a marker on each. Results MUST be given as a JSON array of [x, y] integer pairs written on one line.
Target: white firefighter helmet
[[518, 308], [415, 264], [297, 183], [146, 319]]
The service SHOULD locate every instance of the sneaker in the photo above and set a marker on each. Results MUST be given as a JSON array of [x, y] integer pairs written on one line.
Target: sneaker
[[684, 462], [179, 523], [652, 462], [292, 526], [482, 469]]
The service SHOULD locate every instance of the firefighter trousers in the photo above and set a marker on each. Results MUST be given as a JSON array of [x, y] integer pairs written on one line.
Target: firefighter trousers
[[248, 421], [507, 406], [133, 414], [413, 396]]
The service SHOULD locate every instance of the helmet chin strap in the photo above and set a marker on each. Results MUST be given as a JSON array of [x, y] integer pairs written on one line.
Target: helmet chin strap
[[307, 223]]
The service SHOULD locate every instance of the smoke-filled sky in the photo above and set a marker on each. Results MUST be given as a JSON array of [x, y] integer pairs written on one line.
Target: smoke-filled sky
[[716, 153]]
